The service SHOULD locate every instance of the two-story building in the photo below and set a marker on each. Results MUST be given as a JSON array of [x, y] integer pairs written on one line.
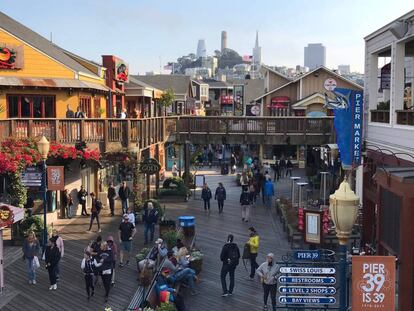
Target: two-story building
[[388, 170]]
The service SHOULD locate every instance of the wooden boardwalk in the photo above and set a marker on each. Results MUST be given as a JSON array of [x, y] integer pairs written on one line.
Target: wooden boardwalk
[[212, 230]]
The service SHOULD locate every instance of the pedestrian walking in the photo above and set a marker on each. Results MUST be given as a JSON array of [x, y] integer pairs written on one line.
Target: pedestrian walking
[[267, 272], [245, 204], [95, 250], [111, 198], [106, 268], [82, 195], [66, 201], [233, 161], [268, 193], [123, 194], [126, 232], [174, 170], [206, 196], [31, 249], [95, 210], [220, 196], [252, 195], [89, 266], [113, 248], [289, 167], [282, 166], [60, 245], [276, 171], [253, 244], [52, 257], [230, 256], [150, 218]]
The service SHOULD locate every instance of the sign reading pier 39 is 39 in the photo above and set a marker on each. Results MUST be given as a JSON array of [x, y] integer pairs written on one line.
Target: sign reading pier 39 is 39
[[373, 283]]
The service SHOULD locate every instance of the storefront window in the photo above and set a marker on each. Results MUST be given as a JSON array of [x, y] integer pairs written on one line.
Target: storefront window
[[85, 106], [30, 106]]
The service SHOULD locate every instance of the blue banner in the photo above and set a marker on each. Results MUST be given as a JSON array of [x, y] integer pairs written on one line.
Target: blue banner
[[348, 109]]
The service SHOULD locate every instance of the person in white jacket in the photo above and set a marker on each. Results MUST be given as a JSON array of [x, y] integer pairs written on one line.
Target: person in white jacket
[[267, 272], [60, 245]]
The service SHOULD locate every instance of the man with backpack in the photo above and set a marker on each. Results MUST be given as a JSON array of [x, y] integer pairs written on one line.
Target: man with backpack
[[230, 255], [245, 204], [95, 210]]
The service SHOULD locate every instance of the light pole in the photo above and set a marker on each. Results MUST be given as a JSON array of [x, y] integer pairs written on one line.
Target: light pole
[[43, 147], [344, 210]]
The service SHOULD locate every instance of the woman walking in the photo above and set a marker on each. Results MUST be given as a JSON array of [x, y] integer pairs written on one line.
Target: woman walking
[[220, 196], [88, 266], [206, 196], [31, 249], [82, 194], [59, 243], [95, 210], [52, 257], [253, 243], [107, 261], [267, 273], [245, 203]]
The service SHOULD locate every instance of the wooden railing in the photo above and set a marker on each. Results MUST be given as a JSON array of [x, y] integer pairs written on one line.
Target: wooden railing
[[254, 125], [381, 116], [142, 133], [405, 117]]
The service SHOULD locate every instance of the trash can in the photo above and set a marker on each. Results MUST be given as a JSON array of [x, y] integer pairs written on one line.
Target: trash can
[[188, 225]]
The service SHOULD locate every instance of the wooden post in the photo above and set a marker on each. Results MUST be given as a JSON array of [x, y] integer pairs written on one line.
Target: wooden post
[[148, 186], [128, 133], [30, 128], [105, 135], [57, 136], [12, 127], [82, 130], [187, 163]]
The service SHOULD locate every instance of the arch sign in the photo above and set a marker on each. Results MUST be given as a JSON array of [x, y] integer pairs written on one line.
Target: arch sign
[[6, 216], [150, 166]]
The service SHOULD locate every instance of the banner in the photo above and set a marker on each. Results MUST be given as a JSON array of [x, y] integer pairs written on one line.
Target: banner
[[348, 108], [373, 283], [55, 178], [238, 97]]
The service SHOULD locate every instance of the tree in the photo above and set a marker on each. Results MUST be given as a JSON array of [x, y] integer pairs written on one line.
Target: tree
[[167, 98]]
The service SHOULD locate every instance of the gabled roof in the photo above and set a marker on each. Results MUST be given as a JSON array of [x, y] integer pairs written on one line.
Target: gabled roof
[[216, 84], [178, 83], [134, 82], [40, 43], [301, 104], [276, 72], [309, 73]]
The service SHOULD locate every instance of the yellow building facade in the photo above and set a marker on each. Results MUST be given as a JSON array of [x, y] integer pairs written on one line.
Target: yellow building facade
[[40, 80]]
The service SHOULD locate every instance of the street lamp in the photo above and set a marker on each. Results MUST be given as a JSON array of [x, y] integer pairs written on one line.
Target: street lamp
[[344, 209], [43, 147]]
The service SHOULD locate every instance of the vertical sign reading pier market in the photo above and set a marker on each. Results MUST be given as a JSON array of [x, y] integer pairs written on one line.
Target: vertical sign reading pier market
[[348, 108], [373, 283]]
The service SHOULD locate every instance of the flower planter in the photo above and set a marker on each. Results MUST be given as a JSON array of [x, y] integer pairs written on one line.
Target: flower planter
[[196, 265]]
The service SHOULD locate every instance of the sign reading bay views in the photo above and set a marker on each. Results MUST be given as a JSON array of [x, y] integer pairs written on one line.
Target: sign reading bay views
[[311, 300], [307, 270]]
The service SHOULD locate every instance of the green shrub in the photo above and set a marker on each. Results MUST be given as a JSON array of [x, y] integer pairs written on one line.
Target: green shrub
[[142, 254], [173, 186], [34, 223], [166, 307], [169, 182], [190, 178], [170, 238]]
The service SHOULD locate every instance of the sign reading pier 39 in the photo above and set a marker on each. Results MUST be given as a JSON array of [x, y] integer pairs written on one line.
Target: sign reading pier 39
[[373, 283]]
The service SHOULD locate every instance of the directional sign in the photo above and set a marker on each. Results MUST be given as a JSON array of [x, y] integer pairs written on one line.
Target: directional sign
[[303, 279], [307, 255], [302, 290], [307, 270], [31, 177], [309, 300]]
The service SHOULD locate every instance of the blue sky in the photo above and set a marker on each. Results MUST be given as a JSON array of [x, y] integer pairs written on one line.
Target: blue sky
[[143, 32]]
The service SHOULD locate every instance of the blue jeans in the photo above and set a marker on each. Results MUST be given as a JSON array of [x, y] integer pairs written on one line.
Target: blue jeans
[[186, 275], [150, 228], [268, 201], [31, 271], [124, 204]]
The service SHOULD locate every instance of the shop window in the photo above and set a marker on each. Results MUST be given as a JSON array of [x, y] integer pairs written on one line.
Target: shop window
[[85, 105], [30, 106]]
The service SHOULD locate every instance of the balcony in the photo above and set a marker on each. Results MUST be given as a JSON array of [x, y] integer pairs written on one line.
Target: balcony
[[380, 116], [405, 117]]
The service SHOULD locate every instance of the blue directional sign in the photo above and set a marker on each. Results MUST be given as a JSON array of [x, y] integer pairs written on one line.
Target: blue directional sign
[[302, 290], [309, 300], [309, 280], [308, 270], [307, 255]]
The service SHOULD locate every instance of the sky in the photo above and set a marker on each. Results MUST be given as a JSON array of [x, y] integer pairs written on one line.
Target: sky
[[147, 33]]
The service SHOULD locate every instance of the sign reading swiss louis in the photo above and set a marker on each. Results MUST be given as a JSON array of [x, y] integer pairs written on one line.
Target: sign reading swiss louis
[[373, 283]]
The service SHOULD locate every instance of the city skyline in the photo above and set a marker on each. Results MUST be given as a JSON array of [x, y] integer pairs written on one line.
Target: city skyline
[[151, 33]]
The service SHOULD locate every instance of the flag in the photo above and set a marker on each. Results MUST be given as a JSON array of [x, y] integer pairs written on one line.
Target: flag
[[169, 66], [247, 58]]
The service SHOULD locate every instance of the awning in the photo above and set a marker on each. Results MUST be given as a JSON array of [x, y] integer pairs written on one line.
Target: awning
[[52, 83]]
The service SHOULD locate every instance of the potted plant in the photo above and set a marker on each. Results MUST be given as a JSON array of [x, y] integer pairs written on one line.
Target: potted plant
[[142, 254], [100, 111], [196, 261], [166, 307], [170, 238], [166, 225]]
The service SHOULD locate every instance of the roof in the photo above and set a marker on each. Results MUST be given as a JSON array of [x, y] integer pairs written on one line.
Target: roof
[[404, 174], [216, 84], [300, 104], [134, 82], [276, 72], [40, 43], [51, 83], [178, 83], [307, 74]]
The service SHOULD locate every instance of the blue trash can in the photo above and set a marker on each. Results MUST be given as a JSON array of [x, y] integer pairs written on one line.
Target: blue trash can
[[188, 225]]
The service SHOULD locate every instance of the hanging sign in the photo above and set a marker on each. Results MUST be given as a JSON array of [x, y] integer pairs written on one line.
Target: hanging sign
[[31, 177], [6, 216], [121, 70], [373, 283], [55, 178], [11, 57], [330, 84], [150, 166]]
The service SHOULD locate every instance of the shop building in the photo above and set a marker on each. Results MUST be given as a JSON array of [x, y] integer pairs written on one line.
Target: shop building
[[386, 178]]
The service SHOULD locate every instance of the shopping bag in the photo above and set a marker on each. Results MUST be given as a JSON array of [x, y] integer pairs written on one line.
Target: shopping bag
[[36, 263]]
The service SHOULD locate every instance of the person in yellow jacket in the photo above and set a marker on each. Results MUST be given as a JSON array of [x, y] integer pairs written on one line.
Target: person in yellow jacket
[[253, 243]]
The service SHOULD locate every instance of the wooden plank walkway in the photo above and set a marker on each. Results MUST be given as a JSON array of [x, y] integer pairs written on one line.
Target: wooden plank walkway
[[212, 230]]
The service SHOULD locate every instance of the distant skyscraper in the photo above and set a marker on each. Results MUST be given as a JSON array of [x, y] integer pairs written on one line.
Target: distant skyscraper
[[257, 51], [344, 69], [223, 40], [201, 48], [315, 55]]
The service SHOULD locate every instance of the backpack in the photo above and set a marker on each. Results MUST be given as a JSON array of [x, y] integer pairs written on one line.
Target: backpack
[[245, 198], [233, 255]]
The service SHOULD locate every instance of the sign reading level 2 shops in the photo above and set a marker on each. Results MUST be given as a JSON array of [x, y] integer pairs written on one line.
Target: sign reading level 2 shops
[[309, 300], [302, 290], [307, 270], [373, 283]]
